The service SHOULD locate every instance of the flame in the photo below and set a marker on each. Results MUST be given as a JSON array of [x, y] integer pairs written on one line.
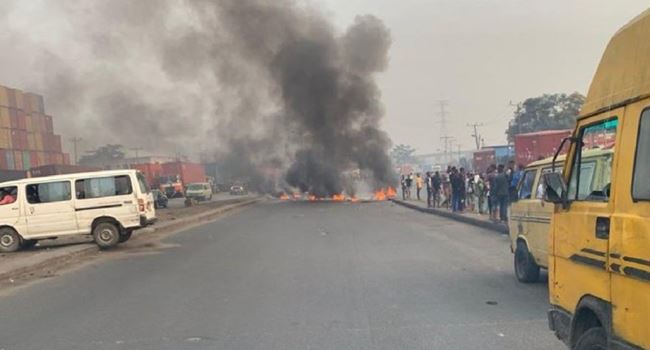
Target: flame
[[284, 197], [297, 195], [391, 193], [311, 198], [338, 197], [380, 195], [354, 199]]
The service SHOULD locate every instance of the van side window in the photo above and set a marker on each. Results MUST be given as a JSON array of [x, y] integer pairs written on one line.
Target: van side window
[[641, 184], [591, 172], [526, 187], [8, 195], [103, 187], [48, 192]]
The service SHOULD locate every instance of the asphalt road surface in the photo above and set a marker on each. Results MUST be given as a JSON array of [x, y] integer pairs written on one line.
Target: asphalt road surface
[[288, 275]]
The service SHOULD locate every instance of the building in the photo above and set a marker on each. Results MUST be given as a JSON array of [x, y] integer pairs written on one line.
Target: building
[[27, 137]]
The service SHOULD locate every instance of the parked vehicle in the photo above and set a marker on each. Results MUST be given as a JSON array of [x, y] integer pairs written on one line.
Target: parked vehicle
[[199, 191], [599, 256], [175, 177], [108, 205], [160, 200], [530, 216], [238, 190]]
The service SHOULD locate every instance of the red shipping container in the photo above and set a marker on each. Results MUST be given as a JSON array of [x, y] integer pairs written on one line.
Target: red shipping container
[[49, 124], [19, 139], [18, 160], [534, 146], [483, 159], [66, 158], [56, 144], [33, 159], [3, 159]]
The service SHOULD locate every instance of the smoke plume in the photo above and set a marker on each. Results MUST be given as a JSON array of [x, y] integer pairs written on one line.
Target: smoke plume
[[269, 89]]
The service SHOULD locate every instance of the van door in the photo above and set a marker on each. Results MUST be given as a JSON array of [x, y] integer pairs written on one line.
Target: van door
[[10, 214], [581, 232], [110, 196], [539, 220], [630, 238], [519, 210], [49, 209]]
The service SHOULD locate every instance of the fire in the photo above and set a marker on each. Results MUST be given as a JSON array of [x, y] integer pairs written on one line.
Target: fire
[[338, 197], [380, 195], [312, 198], [284, 197], [354, 199], [297, 195], [391, 193]]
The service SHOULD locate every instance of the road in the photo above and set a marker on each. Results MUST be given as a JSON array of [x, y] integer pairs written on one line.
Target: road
[[284, 275]]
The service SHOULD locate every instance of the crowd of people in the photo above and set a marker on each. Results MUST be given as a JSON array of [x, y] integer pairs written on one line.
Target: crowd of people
[[489, 192]]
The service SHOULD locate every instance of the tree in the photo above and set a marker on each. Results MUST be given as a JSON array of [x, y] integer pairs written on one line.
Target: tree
[[104, 155], [402, 154], [546, 112]]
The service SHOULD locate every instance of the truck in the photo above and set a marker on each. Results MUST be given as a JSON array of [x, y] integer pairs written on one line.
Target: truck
[[175, 176], [483, 159], [534, 146]]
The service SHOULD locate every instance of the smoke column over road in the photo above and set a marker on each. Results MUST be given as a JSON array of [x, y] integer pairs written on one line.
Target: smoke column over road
[[262, 86]]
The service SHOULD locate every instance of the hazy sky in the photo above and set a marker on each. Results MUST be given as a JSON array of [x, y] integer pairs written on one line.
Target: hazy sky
[[480, 55]]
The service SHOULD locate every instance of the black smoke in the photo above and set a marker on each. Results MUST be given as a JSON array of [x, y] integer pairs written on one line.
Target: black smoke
[[259, 86]]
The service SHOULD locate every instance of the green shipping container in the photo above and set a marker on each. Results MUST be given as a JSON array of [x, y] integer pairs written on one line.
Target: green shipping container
[[26, 162]]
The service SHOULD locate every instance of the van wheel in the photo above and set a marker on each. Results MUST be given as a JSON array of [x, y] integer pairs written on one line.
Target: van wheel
[[9, 240], [106, 235], [125, 235], [526, 270], [593, 339], [28, 243]]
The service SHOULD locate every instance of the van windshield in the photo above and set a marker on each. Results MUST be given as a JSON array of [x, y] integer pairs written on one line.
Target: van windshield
[[142, 182], [195, 187]]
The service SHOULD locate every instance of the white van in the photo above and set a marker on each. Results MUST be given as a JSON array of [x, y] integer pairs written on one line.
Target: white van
[[106, 204]]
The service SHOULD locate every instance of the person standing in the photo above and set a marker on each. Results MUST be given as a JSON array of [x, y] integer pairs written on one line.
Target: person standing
[[502, 193], [427, 181], [409, 184], [402, 182], [419, 183], [491, 194], [436, 182]]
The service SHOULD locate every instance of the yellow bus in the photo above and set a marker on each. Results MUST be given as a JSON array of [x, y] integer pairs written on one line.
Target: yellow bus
[[599, 242]]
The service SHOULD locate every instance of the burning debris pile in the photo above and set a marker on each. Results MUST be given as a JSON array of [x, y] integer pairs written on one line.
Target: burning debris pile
[[382, 194], [259, 86]]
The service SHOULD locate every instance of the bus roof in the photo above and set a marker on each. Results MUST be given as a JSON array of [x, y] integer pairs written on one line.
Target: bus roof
[[624, 70], [592, 153], [99, 173]]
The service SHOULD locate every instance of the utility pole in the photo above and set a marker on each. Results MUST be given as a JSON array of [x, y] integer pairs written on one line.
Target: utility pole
[[476, 135], [137, 153], [446, 140], [442, 114], [75, 140]]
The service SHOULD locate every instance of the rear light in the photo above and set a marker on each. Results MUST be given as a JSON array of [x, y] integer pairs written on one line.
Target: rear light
[[141, 205]]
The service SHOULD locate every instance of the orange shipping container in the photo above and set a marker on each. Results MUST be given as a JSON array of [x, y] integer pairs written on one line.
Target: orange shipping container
[[5, 120], [18, 160], [4, 96], [5, 138]]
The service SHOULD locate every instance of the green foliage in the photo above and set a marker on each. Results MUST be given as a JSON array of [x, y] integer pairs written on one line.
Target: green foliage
[[402, 154], [546, 112], [104, 155]]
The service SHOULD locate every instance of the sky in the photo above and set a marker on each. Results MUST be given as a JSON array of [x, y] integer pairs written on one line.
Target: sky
[[481, 56]]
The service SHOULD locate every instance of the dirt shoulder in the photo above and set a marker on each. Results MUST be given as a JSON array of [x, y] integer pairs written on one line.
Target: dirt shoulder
[[52, 257]]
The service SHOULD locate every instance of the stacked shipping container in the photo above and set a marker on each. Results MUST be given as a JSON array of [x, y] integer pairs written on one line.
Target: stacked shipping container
[[27, 136]]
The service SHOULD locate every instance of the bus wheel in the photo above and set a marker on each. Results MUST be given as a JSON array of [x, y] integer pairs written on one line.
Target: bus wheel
[[106, 235], [593, 339], [526, 270], [125, 235], [9, 240]]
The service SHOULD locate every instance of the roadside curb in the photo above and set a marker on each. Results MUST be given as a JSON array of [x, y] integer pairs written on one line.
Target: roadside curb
[[172, 225], [457, 217]]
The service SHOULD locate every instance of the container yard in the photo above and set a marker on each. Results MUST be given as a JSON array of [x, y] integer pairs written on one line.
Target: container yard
[[27, 137]]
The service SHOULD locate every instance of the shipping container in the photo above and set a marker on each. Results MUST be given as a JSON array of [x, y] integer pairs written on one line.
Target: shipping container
[[5, 138], [5, 119], [11, 175], [56, 144], [59, 169], [21, 119], [151, 171], [66, 159], [49, 124], [483, 159], [18, 160], [4, 96], [9, 159], [534, 146], [33, 159], [41, 158], [26, 161], [34, 103]]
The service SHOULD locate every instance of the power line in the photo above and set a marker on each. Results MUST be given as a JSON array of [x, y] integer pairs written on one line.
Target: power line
[[442, 121], [476, 135]]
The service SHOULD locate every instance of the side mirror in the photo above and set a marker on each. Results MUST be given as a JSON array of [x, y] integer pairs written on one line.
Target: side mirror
[[555, 189]]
